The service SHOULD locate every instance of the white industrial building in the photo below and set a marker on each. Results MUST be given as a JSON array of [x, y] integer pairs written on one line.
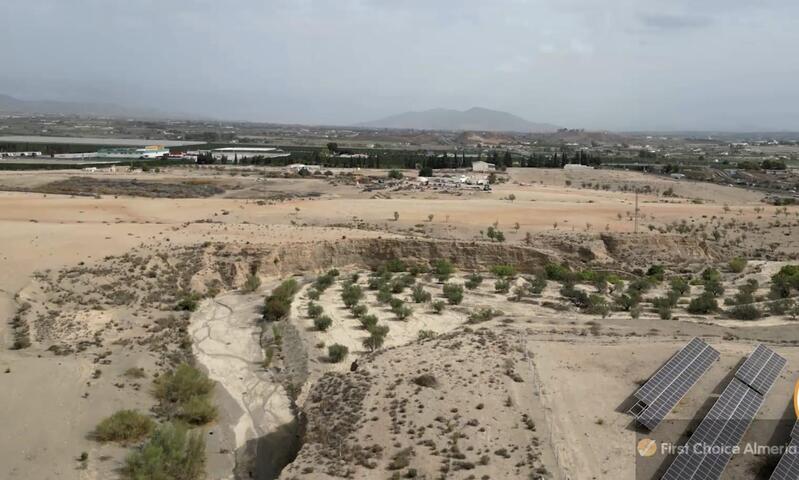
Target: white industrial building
[[480, 166], [577, 166], [236, 154]]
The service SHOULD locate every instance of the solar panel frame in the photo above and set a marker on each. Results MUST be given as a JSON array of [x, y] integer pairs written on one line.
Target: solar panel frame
[[661, 393], [655, 412], [761, 369], [661, 379], [724, 425], [795, 431], [788, 466]]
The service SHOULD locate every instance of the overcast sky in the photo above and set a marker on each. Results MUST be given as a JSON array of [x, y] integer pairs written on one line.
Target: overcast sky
[[610, 64]]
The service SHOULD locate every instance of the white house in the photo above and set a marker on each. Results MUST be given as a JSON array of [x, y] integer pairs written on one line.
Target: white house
[[480, 166], [577, 166]]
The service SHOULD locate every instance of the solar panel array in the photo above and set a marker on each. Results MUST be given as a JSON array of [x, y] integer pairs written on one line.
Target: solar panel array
[[761, 369], [788, 468], [713, 443], [658, 396]]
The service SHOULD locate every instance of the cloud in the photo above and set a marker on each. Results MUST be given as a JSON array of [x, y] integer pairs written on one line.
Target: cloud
[[661, 21]]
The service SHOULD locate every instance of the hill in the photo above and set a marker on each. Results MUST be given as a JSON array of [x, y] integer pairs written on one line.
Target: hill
[[478, 119], [9, 104]]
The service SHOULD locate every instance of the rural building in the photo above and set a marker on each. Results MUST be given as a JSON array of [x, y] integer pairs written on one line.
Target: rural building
[[297, 167], [242, 153], [577, 166], [20, 154], [480, 166], [151, 152]]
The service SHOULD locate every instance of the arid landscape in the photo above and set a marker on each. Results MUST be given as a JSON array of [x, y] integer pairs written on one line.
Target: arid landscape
[[322, 328]]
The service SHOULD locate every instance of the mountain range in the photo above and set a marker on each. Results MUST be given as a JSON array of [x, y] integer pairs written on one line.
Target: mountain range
[[9, 104], [474, 119]]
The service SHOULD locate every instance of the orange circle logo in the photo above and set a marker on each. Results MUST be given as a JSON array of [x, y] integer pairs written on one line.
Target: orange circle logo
[[647, 447], [796, 399]]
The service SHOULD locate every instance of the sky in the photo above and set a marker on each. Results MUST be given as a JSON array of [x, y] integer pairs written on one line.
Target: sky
[[626, 65]]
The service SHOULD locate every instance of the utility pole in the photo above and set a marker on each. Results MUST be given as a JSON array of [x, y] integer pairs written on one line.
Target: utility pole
[[636, 210]]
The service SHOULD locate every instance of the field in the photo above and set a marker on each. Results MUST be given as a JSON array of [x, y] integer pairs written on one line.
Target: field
[[103, 275]]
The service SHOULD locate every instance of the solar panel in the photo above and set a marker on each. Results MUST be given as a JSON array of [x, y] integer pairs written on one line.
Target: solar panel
[[711, 446], [788, 468], [661, 380], [761, 369], [663, 391]]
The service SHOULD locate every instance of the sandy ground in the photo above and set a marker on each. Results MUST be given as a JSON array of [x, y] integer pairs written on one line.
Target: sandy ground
[[46, 417]]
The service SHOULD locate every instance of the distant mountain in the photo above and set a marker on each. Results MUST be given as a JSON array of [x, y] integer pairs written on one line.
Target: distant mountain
[[10, 104], [476, 119]]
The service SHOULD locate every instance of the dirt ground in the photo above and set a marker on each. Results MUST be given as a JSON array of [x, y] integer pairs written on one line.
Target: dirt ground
[[48, 416]]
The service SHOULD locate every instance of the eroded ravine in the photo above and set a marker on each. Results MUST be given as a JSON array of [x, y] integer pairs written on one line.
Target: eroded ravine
[[256, 420]]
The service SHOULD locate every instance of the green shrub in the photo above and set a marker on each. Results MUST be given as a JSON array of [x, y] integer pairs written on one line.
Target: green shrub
[[737, 264], [710, 274], [395, 174], [181, 384], [252, 283], [322, 323], [744, 312], [473, 281], [198, 410], [577, 297], [664, 311], [703, 304], [399, 284], [597, 305], [351, 295], [379, 330], [559, 273], [425, 334], [453, 293], [171, 453], [714, 287], [628, 301], [313, 294], [418, 268], [785, 281], [276, 308], [781, 307], [502, 286], [443, 269], [368, 321], [483, 315], [395, 265], [680, 285], [420, 295], [656, 272], [373, 342], [503, 271], [538, 284], [124, 426], [384, 295], [278, 303], [337, 352], [438, 306], [746, 292], [188, 302], [287, 289], [402, 312], [315, 310], [323, 283], [359, 310]]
